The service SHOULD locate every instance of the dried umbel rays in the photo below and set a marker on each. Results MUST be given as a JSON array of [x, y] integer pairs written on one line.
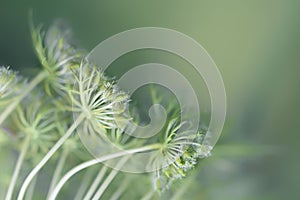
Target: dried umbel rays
[[41, 117]]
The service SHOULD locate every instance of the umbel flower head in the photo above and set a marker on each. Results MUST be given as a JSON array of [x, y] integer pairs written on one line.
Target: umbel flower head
[[8, 82], [180, 153], [57, 54], [35, 119], [96, 97]]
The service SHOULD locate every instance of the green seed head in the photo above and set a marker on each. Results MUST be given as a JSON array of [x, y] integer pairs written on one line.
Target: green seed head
[[180, 153], [11, 85], [57, 55], [8, 80], [98, 98], [34, 118]]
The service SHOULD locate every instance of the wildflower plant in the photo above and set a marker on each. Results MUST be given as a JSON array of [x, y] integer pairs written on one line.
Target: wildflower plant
[[10, 85], [71, 100], [57, 55], [35, 120]]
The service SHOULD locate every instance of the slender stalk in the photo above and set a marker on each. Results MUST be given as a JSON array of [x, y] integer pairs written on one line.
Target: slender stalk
[[109, 179], [39, 78], [58, 170], [178, 194], [50, 153], [120, 190], [95, 184], [29, 195], [17, 168], [83, 186], [87, 164], [148, 195]]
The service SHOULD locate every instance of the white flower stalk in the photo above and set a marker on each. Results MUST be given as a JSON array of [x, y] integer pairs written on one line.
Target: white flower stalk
[[36, 125], [90, 163], [97, 104]]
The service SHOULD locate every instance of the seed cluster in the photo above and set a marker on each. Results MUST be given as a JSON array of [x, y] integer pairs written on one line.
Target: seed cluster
[[69, 90]]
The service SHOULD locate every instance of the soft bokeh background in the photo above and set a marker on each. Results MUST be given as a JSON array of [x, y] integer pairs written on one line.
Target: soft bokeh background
[[256, 47]]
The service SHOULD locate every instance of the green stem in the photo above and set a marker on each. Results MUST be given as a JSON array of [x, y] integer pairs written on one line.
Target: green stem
[[50, 153], [83, 186], [29, 195], [187, 183], [17, 169], [109, 178], [121, 188], [148, 195], [95, 183], [39, 78], [87, 164], [58, 170]]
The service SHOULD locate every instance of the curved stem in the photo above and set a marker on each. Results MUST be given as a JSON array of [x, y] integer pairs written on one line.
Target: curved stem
[[29, 194], [148, 195], [17, 169], [180, 192], [109, 179], [50, 153], [121, 188], [87, 164], [58, 170], [39, 78], [95, 183], [83, 186]]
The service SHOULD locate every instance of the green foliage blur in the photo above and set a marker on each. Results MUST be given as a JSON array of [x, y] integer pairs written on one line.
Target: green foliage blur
[[254, 43]]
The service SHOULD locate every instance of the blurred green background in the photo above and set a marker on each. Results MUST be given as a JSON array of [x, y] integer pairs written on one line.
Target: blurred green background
[[256, 47]]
